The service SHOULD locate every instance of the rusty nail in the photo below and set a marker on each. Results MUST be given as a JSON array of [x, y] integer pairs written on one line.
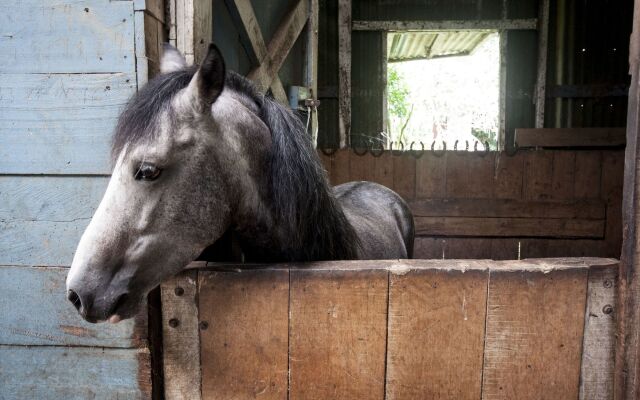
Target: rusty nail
[[86, 9], [179, 291], [608, 309], [204, 325], [607, 283], [174, 323]]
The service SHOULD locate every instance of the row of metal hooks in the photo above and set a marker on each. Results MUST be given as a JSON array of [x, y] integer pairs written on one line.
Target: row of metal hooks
[[415, 149]]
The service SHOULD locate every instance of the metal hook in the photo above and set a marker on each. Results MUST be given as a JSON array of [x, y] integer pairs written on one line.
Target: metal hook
[[379, 153], [417, 154], [438, 153], [329, 152], [396, 153], [355, 151]]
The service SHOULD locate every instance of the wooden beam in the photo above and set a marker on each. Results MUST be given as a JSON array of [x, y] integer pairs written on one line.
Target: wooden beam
[[280, 45], [570, 137], [541, 81], [311, 64], [344, 72], [509, 24], [627, 365], [245, 20], [595, 90], [193, 28]]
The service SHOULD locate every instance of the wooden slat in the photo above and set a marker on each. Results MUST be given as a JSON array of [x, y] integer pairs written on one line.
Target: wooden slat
[[514, 227], [534, 335], [153, 7], [505, 249], [61, 123], [404, 176], [509, 176], [344, 72], [244, 348], [193, 28], [52, 373], [383, 166], [337, 334], [598, 347], [538, 175], [35, 311], [430, 176], [563, 175], [588, 173], [469, 175], [340, 167], [467, 248], [180, 337], [361, 168], [585, 209], [436, 334], [570, 137], [434, 25]]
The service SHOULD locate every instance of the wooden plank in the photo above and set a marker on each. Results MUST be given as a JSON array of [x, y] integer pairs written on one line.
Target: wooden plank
[[538, 170], [588, 171], [467, 248], [543, 51], [404, 176], [563, 175], [244, 348], [509, 227], [428, 248], [344, 72], [383, 169], [193, 28], [361, 168], [247, 24], [534, 334], [498, 208], [340, 167], [99, 40], [505, 249], [153, 7], [469, 175], [43, 316], [43, 218], [180, 337], [611, 192], [338, 322], [74, 373], [436, 334], [598, 346], [570, 137], [434, 25], [283, 40], [430, 176], [509, 176], [61, 123]]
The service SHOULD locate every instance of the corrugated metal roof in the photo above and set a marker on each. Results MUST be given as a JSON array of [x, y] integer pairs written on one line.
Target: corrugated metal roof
[[405, 46]]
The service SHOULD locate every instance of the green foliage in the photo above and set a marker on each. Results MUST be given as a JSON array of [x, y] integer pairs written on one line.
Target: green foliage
[[485, 137], [398, 92]]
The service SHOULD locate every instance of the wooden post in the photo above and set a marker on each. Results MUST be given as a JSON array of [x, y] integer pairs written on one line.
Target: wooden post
[[541, 83], [344, 71], [626, 367], [311, 64], [191, 27]]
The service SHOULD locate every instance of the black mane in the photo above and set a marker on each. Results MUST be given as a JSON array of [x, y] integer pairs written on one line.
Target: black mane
[[301, 199]]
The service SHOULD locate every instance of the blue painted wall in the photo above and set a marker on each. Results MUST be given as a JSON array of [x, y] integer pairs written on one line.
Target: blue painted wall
[[68, 67]]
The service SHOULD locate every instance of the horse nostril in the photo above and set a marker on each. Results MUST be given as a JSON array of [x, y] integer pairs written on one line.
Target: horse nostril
[[74, 298]]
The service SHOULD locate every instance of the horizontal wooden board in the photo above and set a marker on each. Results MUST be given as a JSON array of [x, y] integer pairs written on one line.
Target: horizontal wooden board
[[35, 311], [509, 227], [67, 36], [60, 123], [43, 218], [570, 137], [74, 373], [504, 208]]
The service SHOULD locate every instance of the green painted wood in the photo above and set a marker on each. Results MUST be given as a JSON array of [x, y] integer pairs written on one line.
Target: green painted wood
[[73, 373], [42, 218], [35, 311], [67, 36], [60, 124]]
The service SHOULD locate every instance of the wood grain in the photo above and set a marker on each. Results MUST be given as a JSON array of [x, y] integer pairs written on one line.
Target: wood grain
[[534, 334], [436, 334], [361, 168], [244, 349], [509, 175], [570, 137], [340, 167], [538, 179], [404, 176], [384, 169], [588, 173], [337, 334], [430, 176]]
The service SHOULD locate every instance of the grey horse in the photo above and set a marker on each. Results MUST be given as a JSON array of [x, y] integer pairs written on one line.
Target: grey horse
[[199, 152]]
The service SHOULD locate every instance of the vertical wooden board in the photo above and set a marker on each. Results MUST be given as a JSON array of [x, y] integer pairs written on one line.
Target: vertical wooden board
[[404, 176], [611, 192], [361, 167], [509, 175], [326, 163], [469, 248], [180, 337], [430, 176], [563, 174], [436, 334], [538, 175], [338, 334], [598, 348], [588, 171], [469, 175], [427, 248], [244, 349], [534, 334], [505, 249], [383, 166], [340, 167], [74, 373], [35, 311]]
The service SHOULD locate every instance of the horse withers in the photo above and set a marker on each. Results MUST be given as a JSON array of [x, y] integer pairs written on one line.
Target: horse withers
[[198, 152]]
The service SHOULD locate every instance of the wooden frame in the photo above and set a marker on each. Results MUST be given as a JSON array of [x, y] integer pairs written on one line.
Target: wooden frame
[[344, 72], [541, 80], [500, 24], [570, 137]]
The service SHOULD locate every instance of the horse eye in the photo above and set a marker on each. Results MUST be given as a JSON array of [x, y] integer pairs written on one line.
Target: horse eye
[[147, 172]]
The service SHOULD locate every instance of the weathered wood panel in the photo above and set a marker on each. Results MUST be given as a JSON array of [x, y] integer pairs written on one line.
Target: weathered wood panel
[[42, 218], [74, 373], [35, 311], [436, 319], [67, 36], [60, 123], [534, 334], [244, 332], [338, 334], [570, 137]]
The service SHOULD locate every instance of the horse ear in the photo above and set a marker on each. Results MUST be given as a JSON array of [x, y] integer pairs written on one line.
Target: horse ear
[[208, 82], [171, 60]]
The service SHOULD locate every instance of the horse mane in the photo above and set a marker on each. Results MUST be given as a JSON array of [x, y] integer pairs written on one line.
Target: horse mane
[[303, 203]]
